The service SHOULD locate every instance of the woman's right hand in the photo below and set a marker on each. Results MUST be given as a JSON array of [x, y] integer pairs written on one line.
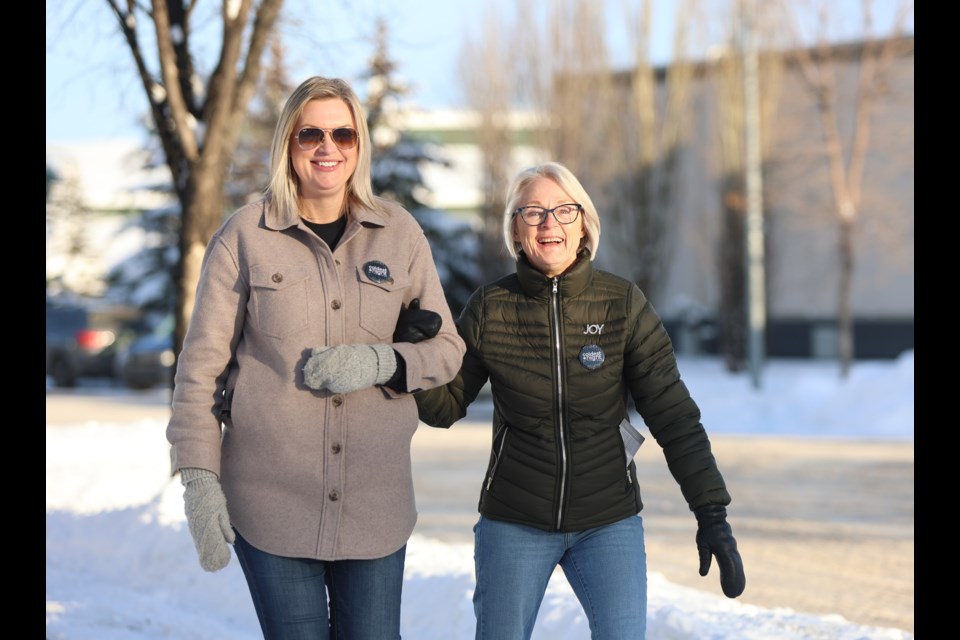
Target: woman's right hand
[[207, 517]]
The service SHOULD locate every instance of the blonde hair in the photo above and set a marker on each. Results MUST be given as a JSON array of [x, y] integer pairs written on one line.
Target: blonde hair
[[569, 183], [283, 192]]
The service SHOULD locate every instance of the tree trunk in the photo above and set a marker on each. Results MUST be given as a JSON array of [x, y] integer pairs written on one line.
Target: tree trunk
[[732, 307], [202, 205], [821, 68], [844, 314], [198, 128]]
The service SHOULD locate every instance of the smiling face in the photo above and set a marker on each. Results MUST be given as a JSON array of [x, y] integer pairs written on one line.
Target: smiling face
[[550, 246], [323, 172]]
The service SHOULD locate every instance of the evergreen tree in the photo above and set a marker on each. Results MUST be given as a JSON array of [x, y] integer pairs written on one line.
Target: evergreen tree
[[72, 267], [51, 178], [397, 162], [144, 279]]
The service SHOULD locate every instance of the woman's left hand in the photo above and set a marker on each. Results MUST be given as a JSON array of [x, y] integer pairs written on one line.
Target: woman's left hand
[[349, 367], [715, 538], [415, 324]]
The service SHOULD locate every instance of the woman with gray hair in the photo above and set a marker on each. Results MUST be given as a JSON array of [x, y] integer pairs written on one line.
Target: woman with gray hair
[[564, 347], [292, 408]]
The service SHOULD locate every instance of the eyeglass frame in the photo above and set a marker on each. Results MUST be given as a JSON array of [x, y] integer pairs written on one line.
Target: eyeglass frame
[[545, 212], [323, 135]]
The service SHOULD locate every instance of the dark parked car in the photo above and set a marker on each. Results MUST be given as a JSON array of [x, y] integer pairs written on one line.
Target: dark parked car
[[148, 360], [81, 342]]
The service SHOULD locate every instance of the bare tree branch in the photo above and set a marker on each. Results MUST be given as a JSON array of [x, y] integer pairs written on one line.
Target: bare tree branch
[[198, 127], [846, 162]]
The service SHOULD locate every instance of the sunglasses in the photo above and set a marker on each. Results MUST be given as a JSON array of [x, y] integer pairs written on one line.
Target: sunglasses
[[310, 138]]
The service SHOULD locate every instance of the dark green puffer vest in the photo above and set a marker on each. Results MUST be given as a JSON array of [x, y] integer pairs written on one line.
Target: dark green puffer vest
[[561, 355]]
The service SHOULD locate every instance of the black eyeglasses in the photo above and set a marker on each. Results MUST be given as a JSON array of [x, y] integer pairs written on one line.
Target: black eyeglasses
[[309, 138], [562, 213]]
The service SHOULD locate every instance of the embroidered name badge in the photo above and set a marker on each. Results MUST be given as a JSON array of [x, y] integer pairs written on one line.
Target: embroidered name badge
[[592, 356], [377, 271]]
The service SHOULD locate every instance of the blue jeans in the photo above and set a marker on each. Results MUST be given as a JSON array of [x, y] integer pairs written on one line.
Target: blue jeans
[[290, 595], [605, 566]]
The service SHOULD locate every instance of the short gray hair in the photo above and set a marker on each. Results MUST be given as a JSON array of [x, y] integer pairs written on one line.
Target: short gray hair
[[569, 183]]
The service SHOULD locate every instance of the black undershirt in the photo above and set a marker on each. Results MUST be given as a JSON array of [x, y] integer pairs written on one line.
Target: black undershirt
[[331, 232]]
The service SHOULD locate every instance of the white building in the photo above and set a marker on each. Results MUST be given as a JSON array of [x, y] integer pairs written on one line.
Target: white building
[[801, 226]]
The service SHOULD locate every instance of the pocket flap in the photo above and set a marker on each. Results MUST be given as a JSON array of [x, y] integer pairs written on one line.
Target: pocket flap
[[277, 276]]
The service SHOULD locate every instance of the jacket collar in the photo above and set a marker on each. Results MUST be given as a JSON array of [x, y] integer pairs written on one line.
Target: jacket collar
[[278, 220], [572, 282]]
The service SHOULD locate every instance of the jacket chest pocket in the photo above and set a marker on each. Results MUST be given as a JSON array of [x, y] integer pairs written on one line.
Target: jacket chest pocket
[[278, 298], [380, 301]]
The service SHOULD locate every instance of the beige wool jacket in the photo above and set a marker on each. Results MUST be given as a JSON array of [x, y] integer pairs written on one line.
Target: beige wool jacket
[[308, 473]]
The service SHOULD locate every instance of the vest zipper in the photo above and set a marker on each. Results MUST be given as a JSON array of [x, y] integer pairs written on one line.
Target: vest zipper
[[498, 454], [561, 401]]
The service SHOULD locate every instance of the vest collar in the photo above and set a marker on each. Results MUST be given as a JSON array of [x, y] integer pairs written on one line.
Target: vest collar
[[572, 282]]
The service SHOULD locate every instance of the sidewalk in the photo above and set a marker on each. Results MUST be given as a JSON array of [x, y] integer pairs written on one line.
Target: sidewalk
[[824, 526]]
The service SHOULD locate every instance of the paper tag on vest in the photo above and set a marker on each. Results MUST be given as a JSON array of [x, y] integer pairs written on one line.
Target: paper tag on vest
[[632, 439]]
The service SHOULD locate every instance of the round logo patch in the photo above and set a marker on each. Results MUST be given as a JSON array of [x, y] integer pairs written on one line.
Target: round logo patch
[[591, 356], [377, 271]]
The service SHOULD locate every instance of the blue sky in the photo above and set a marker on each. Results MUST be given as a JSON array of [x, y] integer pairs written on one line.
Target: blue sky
[[92, 91]]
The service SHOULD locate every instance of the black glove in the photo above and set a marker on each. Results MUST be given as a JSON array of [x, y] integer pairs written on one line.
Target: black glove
[[415, 324], [715, 538]]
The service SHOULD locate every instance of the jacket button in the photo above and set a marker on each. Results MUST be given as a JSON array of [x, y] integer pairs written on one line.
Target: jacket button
[[333, 495], [337, 401], [335, 304], [335, 448], [277, 277]]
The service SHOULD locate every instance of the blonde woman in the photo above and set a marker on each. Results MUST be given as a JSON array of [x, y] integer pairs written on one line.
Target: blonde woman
[[292, 409]]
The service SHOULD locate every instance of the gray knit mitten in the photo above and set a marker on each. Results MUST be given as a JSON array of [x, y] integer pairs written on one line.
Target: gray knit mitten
[[349, 367], [207, 517]]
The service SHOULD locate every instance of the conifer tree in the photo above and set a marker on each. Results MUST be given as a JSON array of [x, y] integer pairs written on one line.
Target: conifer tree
[[397, 161]]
